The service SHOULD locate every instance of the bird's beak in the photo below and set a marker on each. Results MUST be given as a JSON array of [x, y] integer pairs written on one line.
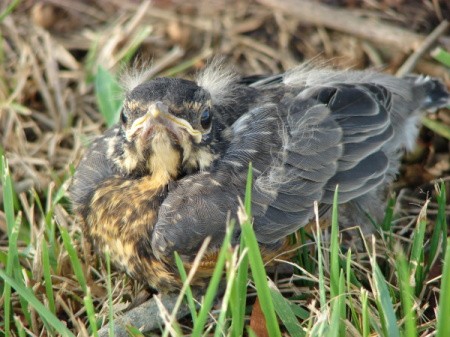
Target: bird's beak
[[158, 114]]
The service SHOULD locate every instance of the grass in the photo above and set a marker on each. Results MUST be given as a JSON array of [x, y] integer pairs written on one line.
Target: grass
[[51, 284], [108, 95], [335, 303]]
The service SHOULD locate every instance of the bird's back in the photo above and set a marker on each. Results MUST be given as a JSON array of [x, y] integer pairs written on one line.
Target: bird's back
[[377, 116], [313, 130]]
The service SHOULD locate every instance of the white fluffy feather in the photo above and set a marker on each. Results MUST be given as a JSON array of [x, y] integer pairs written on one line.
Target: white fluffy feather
[[218, 79], [138, 73]]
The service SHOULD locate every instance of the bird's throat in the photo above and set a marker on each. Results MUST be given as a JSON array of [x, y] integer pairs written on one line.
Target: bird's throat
[[165, 159]]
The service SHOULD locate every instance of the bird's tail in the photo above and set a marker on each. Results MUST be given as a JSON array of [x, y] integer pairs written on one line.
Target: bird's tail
[[434, 92]]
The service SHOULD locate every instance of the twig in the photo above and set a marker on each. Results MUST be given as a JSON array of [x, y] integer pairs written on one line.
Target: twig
[[350, 22], [146, 316], [372, 53], [412, 60], [260, 47]]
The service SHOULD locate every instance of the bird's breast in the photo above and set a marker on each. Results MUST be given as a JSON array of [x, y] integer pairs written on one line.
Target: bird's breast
[[121, 217]]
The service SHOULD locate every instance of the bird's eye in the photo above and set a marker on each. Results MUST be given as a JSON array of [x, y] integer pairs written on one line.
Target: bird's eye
[[123, 117], [205, 119]]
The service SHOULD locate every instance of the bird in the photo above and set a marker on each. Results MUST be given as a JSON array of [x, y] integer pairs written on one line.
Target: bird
[[172, 170], [165, 131]]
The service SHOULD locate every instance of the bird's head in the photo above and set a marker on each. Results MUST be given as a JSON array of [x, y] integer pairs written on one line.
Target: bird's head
[[163, 123], [176, 107]]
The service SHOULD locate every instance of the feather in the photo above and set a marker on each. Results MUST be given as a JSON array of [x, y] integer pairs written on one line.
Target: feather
[[220, 80], [314, 129], [132, 76]]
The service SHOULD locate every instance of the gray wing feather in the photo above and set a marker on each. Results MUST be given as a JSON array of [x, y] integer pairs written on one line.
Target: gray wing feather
[[356, 169], [269, 137], [346, 129], [199, 205]]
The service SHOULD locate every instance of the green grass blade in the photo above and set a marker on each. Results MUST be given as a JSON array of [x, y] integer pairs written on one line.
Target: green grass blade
[[348, 273], [50, 230], [8, 196], [365, 313], [19, 326], [90, 311], [284, 310], [12, 263], [231, 269], [437, 127], [60, 194], [304, 254], [260, 279], [251, 333], [258, 271], [417, 250], [110, 299], [47, 277], [386, 224], [336, 273], [337, 304], [443, 321], [46, 314], [238, 297], [320, 266], [384, 303], [75, 261], [442, 56], [8, 10], [189, 295], [442, 217], [334, 247], [213, 286], [90, 60], [128, 51], [406, 295], [299, 311], [440, 229], [134, 332], [107, 92]]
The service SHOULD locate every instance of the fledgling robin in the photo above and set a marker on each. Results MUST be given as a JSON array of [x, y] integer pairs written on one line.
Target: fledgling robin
[[166, 177], [166, 131]]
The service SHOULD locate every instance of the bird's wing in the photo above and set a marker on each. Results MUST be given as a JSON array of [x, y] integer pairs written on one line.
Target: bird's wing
[[300, 148], [336, 138], [199, 204]]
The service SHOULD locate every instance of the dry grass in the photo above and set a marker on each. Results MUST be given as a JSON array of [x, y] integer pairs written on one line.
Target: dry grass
[[50, 50], [48, 105]]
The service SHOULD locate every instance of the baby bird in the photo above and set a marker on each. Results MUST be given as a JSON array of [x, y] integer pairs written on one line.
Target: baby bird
[[166, 131], [167, 176]]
